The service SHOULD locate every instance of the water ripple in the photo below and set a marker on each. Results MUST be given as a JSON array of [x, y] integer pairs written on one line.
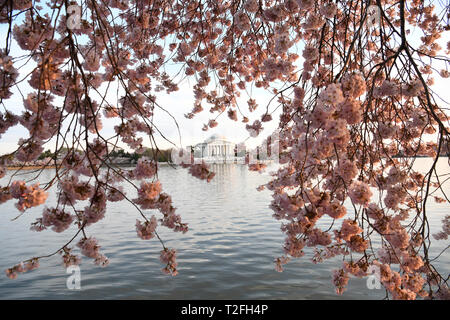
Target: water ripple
[[227, 254]]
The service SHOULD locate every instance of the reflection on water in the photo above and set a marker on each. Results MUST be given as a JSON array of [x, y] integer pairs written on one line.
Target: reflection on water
[[227, 254]]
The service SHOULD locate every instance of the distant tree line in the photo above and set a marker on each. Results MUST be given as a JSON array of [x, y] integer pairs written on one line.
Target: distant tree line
[[160, 155]]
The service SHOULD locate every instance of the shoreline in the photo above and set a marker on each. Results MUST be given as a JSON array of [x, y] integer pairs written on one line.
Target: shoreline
[[28, 167]]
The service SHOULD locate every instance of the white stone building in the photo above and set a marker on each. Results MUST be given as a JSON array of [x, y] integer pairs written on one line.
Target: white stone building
[[216, 148]]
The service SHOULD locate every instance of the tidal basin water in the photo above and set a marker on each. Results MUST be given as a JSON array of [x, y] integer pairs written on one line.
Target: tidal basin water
[[227, 254]]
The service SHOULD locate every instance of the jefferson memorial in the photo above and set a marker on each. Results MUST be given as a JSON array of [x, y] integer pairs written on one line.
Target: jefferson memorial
[[217, 148]]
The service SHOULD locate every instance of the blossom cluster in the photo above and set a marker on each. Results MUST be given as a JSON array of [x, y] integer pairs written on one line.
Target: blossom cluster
[[29, 196], [58, 219], [147, 229], [68, 258], [22, 267], [168, 256], [90, 248]]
